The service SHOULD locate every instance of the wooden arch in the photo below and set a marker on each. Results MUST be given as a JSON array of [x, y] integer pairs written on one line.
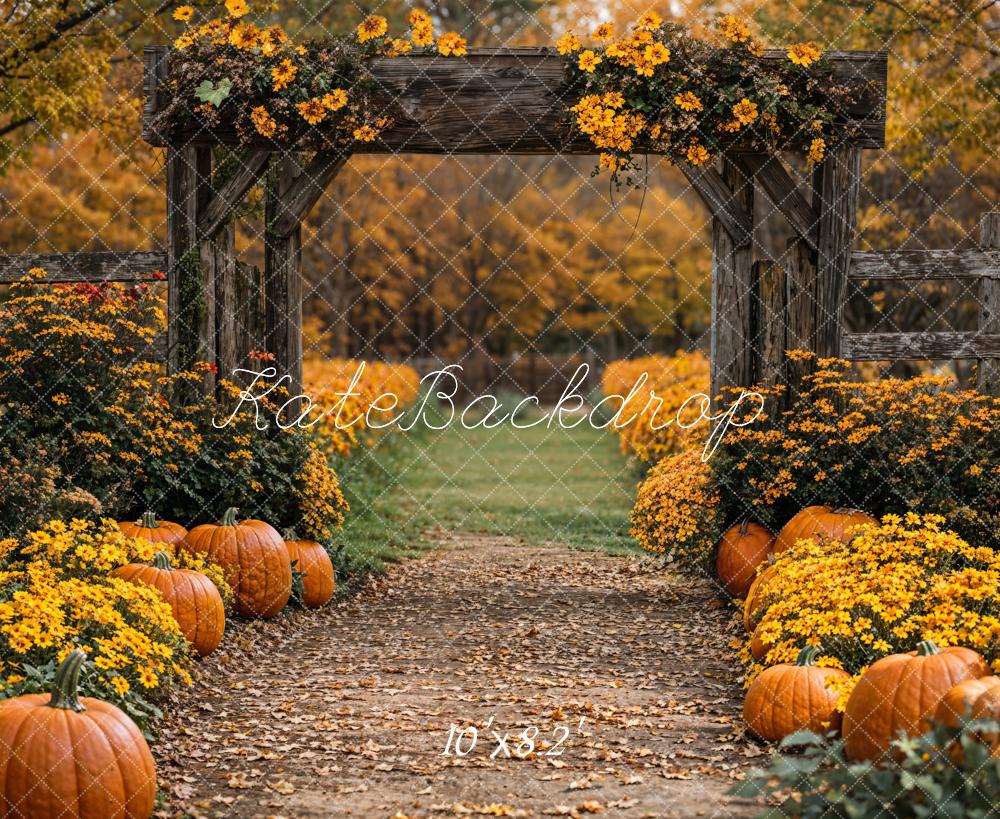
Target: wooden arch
[[506, 101]]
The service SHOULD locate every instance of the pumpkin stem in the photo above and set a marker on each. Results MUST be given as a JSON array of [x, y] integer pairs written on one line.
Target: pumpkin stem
[[845, 510], [161, 560], [148, 520], [66, 681], [807, 656], [743, 527], [289, 535], [926, 647], [229, 518]]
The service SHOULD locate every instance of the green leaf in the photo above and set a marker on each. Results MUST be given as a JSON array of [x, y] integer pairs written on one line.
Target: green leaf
[[214, 94]]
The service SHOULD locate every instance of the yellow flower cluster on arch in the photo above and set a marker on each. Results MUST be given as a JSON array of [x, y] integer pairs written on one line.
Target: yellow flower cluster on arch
[[689, 98], [229, 56]]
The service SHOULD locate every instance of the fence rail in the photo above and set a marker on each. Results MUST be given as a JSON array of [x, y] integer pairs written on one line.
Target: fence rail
[[97, 266]]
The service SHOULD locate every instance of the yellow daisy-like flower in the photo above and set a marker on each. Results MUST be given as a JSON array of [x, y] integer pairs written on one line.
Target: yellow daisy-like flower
[[422, 34], [418, 17], [816, 150], [603, 33], [734, 29], [245, 36], [283, 74], [805, 54], [745, 111], [697, 154], [183, 13], [398, 47], [263, 122], [371, 27], [588, 61], [451, 44], [756, 47], [335, 100], [365, 134], [312, 111], [237, 8], [650, 20], [569, 43], [688, 102]]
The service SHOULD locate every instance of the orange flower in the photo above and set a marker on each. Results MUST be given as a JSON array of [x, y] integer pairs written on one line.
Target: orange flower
[[451, 44]]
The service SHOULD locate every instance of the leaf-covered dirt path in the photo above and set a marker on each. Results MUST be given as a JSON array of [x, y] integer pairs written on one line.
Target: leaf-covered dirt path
[[347, 712]]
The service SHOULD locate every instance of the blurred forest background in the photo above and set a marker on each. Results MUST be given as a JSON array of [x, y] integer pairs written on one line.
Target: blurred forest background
[[431, 257]]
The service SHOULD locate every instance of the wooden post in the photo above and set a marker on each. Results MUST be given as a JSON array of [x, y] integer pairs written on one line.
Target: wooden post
[[282, 277], [732, 293], [988, 371], [800, 309], [837, 183], [190, 278], [769, 323], [219, 253], [249, 313]]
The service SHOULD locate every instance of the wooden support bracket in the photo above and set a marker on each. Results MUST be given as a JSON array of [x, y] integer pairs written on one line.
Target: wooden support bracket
[[219, 210], [304, 190], [769, 172], [720, 200]]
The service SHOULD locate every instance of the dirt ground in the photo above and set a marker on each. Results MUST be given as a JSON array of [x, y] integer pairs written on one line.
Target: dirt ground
[[350, 711]]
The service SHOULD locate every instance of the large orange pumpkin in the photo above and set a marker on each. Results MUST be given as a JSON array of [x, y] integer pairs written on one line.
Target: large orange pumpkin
[[254, 555], [741, 550], [312, 560], [72, 757], [901, 693], [196, 603], [825, 522], [976, 700], [787, 698], [153, 530], [756, 596]]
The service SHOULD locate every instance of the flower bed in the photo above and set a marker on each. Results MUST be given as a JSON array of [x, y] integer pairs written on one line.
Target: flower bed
[[674, 379]]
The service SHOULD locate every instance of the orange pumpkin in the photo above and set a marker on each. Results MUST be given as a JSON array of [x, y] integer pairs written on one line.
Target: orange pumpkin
[[756, 596], [312, 560], [196, 603], [787, 698], [153, 530], [819, 522], [975, 700], [72, 757], [741, 550], [901, 693], [758, 648], [254, 555]]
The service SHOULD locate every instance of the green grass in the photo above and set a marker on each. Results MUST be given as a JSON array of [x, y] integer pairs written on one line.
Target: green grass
[[542, 484]]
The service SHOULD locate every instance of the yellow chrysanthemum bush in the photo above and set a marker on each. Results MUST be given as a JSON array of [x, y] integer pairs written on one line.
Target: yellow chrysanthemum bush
[[676, 513], [234, 67], [57, 593], [656, 87], [673, 379], [329, 383], [893, 584], [887, 446]]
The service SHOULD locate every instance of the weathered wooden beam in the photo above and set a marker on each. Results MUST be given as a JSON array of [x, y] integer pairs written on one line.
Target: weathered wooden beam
[[924, 265], [218, 254], [304, 189], [507, 101], [97, 266], [837, 189], [732, 293], [770, 338], [988, 372], [922, 346], [190, 279], [250, 321], [227, 198], [282, 276], [720, 201], [781, 189], [800, 308]]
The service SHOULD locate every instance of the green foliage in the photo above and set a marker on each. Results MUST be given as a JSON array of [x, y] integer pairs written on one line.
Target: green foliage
[[209, 92], [928, 779]]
